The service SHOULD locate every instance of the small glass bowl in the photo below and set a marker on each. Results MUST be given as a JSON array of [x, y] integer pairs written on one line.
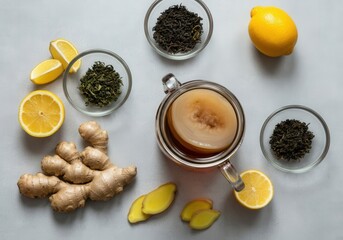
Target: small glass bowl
[[71, 81], [196, 6], [320, 143]]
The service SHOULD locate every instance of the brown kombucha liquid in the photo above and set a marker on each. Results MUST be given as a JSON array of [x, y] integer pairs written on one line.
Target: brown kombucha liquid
[[202, 122]]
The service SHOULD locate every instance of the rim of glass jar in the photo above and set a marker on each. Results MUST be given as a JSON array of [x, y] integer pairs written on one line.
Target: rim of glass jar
[[176, 155], [178, 56], [91, 51]]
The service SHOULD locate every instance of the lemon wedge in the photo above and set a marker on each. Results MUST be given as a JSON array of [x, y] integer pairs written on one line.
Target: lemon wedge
[[64, 51], [258, 191], [46, 71], [41, 113]]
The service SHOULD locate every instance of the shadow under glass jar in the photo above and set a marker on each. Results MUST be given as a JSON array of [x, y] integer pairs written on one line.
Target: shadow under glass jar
[[192, 160]]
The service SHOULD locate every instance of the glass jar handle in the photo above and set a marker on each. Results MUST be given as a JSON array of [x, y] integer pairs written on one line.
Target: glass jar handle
[[232, 176], [170, 83]]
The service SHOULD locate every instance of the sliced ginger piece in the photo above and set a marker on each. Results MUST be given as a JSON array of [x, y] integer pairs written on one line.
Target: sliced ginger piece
[[160, 199], [194, 206], [135, 214], [203, 219]]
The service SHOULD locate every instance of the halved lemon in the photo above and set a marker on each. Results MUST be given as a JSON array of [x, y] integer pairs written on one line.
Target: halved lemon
[[46, 71], [41, 113], [64, 51], [258, 191]]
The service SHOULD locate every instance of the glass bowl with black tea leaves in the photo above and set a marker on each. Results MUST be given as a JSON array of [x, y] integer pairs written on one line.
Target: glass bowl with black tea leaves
[[295, 139], [178, 29], [101, 85]]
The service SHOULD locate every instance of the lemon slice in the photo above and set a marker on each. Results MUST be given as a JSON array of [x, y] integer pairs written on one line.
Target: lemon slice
[[46, 71], [64, 51], [258, 191], [41, 113]]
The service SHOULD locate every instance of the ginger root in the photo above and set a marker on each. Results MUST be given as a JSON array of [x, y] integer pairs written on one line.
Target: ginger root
[[160, 199], [199, 213], [155, 202], [97, 137], [195, 206], [69, 178], [135, 214], [203, 219]]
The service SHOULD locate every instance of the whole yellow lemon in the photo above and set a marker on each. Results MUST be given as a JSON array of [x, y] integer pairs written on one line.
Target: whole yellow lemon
[[272, 31]]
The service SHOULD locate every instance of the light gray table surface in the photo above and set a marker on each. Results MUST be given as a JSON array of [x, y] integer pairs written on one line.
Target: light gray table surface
[[305, 206]]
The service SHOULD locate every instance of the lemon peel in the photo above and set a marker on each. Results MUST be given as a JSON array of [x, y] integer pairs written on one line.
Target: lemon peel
[[272, 31]]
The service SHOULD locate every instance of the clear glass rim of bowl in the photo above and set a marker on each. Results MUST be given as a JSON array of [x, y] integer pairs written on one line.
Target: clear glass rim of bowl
[[185, 55], [316, 115], [91, 51]]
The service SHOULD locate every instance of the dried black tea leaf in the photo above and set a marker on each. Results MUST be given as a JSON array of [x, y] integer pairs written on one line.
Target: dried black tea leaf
[[291, 140], [178, 30]]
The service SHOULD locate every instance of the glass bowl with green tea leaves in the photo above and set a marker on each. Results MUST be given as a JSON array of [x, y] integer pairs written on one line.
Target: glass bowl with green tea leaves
[[294, 139], [178, 29], [101, 85]]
